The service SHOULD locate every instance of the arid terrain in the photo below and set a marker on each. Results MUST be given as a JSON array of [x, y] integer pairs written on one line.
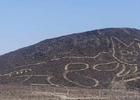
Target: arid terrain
[[46, 92], [94, 65]]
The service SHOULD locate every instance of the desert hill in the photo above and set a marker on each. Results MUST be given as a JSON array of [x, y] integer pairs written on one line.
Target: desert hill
[[92, 59]]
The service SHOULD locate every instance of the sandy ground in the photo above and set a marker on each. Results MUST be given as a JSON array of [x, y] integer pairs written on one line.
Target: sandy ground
[[53, 93]]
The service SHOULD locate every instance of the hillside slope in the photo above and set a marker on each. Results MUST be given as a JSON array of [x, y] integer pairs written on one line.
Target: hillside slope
[[92, 59]]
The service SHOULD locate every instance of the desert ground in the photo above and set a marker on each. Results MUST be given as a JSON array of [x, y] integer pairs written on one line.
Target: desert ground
[[46, 92]]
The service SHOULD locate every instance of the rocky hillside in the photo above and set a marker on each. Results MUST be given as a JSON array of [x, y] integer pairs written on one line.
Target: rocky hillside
[[92, 59]]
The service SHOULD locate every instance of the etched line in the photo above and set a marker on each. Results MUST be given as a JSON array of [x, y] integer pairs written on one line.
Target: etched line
[[114, 51], [132, 79], [94, 67], [51, 83], [67, 66], [119, 74]]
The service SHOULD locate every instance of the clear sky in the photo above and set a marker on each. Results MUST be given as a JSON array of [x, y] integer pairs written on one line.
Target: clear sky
[[25, 22]]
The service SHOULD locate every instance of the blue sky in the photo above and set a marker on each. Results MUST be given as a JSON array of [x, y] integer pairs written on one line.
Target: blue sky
[[25, 22]]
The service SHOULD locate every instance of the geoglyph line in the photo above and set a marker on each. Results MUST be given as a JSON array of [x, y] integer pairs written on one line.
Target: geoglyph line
[[70, 71], [95, 80], [79, 57], [51, 83], [31, 64], [17, 72], [121, 73], [44, 62], [29, 77], [136, 69], [90, 57], [121, 42], [132, 79], [94, 67], [126, 31], [128, 72], [67, 66], [80, 85], [113, 44], [32, 75]]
